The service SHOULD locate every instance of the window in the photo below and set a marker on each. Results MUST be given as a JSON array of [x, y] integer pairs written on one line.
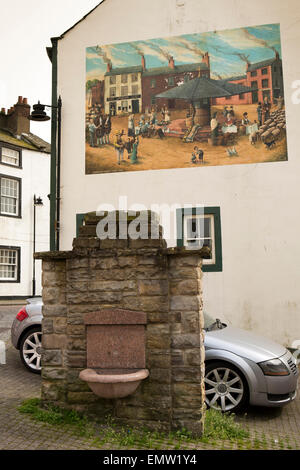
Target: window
[[254, 73], [10, 196], [112, 91], [9, 264], [264, 71], [265, 83], [200, 227], [124, 78], [171, 81], [153, 83], [112, 80], [124, 105], [254, 84], [153, 100], [124, 90], [241, 96], [134, 89], [10, 156], [134, 77]]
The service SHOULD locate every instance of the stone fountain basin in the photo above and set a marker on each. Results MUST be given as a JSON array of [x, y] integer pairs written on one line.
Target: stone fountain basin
[[113, 383]]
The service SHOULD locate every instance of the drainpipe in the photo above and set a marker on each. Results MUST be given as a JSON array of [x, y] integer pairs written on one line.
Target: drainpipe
[[53, 171]]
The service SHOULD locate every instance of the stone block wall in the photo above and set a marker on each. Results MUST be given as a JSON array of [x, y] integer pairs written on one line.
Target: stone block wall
[[138, 275]]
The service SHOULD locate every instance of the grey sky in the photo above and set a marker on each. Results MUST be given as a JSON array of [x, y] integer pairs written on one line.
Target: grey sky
[[26, 29]]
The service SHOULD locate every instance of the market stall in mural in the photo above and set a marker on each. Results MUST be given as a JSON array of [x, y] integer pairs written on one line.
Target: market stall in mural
[[194, 100]]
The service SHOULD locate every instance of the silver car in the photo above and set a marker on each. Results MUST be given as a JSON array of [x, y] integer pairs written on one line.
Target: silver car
[[241, 368]]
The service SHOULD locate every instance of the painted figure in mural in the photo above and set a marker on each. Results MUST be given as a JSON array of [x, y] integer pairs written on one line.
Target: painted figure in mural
[[225, 111], [119, 146], [280, 102], [128, 146], [197, 153], [167, 117], [92, 133], [259, 113], [214, 127], [267, 107], [131, 131], [134, 154], [100, 130], [107, 128], [231, 111]]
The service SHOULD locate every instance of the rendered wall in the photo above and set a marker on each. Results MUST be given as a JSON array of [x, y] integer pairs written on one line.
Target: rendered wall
[[259, 203]]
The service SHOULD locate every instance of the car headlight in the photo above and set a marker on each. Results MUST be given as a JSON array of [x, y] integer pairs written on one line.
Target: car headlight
[[274, 367]]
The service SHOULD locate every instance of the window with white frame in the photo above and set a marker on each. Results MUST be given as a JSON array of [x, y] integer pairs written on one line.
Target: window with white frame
[[9, 196], [199, 232], [9, 264], [10, 156], [198, 228]]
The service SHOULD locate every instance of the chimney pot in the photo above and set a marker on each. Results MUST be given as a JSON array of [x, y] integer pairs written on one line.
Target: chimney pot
[[171, 63], [25, 101], [109, 66], [3, 110], [20, 99], [143, 62]]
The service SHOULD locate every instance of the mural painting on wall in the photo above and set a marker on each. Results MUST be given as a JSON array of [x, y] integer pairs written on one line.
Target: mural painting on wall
[[194, 100]]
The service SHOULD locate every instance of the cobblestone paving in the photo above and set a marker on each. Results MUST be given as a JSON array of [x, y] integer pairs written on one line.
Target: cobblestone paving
[[269, 428]]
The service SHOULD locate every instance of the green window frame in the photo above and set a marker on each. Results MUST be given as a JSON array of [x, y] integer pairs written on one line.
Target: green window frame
[[79, 222], [214, 212]]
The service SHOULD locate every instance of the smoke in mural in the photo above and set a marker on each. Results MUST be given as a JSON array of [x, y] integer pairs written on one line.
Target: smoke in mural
[[189, 101]]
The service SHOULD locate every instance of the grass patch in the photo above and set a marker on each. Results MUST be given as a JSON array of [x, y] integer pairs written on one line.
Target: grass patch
[[218, 427]]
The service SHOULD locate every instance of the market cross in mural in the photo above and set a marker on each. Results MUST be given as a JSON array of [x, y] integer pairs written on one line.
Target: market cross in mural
[[161, 103]]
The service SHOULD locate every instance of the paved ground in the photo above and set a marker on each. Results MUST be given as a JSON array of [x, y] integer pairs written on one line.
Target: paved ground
[[269, 428]]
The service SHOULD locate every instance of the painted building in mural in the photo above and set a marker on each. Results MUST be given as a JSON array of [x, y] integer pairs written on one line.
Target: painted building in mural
[[170, 142], [265, 77], [24, 173]]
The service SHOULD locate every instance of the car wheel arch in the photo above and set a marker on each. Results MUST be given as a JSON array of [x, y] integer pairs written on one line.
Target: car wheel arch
[[25, 331], [237, 361]]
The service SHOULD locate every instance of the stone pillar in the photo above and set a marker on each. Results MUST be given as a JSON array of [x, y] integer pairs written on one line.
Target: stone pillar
[[187, 341]]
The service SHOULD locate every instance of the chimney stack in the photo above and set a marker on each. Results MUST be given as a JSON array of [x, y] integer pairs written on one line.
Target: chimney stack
[[16, 120], [277, 55], [206, 60], [143, 62], [171, 62], [109, 66]]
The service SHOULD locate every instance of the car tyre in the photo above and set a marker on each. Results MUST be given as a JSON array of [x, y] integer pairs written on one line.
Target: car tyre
[[30, 349], [226, 388]]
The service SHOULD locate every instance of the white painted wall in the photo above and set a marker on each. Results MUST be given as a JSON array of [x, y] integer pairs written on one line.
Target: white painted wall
[[259, 286], [35, 175]]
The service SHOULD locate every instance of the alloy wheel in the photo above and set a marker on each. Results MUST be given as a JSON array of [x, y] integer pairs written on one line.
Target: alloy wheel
[[224, 389]]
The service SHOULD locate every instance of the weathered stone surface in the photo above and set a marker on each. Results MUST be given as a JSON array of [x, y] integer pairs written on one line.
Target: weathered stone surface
[[76, 344], [60, 325], [186, 341], [54, 295], [158, 336], [76, 359], [153, 287], [103, 263], [177, 358], [183, 261], [185, 287], [76, 330], [158, 317], [154, 303], [111, 285], [51, 373], [47, 326], [51, 357], [159, 360], [185, 302], [54, 341], [186, 374], [161, 376], [56, 310]]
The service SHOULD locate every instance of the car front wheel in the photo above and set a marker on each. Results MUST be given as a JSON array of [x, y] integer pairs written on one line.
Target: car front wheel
[[225, 387], [30, 350]]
